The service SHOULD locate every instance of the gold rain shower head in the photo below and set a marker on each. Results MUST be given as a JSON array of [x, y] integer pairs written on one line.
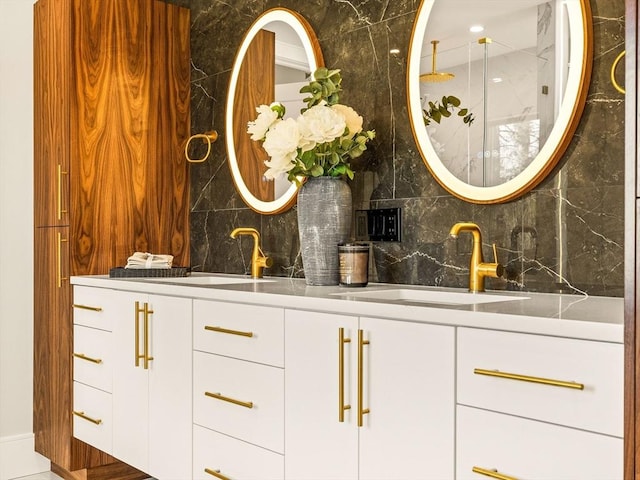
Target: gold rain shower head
[[434, 76]]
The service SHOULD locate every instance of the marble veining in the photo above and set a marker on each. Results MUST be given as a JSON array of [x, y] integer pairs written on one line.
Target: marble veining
[[566, 235]]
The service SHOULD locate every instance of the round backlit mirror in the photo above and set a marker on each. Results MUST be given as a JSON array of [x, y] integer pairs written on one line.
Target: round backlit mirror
[[496, 89], [275, 59]]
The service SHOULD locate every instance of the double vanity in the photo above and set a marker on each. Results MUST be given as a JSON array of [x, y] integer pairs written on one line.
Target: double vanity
[[221, 376]]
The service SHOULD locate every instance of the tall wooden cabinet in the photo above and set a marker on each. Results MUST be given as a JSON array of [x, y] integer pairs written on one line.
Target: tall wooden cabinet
[[112, 113]]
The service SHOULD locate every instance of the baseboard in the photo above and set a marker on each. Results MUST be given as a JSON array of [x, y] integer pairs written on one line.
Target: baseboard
[[18, 457]]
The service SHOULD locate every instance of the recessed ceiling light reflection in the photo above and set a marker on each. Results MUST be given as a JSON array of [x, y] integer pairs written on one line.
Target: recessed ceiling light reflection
[[496, 79], [476, 28], [394, 51]]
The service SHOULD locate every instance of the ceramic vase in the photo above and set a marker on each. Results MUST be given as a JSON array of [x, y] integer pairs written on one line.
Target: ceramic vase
[[324, 221]]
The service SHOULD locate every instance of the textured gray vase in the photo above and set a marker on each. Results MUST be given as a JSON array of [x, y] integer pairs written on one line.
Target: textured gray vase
[[324, 221]]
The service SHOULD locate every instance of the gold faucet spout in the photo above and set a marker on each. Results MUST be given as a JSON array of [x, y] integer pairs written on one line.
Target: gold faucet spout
[[478, 268], [258, 259]]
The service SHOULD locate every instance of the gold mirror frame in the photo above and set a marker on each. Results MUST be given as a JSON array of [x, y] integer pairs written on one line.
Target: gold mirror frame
[[315, 59], [572, 106]]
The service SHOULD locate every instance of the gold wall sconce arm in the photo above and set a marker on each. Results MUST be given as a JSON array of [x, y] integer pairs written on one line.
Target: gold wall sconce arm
[[614, 82], [208, 138]]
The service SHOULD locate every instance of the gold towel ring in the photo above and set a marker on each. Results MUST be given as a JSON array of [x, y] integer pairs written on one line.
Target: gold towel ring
[[615, 84], [208, 138]]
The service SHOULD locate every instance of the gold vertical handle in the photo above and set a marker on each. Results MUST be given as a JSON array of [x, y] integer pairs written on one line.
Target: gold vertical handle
[[146, 357], [361, 410], [492, 473], [341, 406], [59, 277], [216, 473], [59, 203], [136, 334]]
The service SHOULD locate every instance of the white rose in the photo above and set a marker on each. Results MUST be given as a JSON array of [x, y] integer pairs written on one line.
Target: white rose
[[320, 124], [266, 118], [281, 141], [353, 120]]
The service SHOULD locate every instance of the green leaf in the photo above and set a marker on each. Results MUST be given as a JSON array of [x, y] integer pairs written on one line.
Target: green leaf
[[455, 101], [317, 171]]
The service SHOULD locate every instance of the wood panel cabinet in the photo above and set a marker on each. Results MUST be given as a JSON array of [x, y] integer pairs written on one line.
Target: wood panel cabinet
[[367, 398], [111, 105]]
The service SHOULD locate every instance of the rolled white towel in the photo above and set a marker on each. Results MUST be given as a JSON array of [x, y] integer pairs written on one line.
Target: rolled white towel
[[149, 260]]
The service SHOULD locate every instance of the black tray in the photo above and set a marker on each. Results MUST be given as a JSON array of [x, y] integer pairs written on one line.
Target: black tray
[[121, 272]]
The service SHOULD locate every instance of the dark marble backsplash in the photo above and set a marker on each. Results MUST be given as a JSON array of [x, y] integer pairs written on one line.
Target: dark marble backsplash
[[566, 235]]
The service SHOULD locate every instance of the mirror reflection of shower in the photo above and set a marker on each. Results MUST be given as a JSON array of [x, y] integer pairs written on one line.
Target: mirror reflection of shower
[[514, 95]]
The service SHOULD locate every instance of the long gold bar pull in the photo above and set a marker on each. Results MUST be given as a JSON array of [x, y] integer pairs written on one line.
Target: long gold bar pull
[[59, 276], [230, 332], [87, 307], [136, 334], [146, 356], [216, 473], [95, 421], [59, 206], [492, 473], [361, 410], [82, 356], [528, 378], [217, 396], [341, 406]]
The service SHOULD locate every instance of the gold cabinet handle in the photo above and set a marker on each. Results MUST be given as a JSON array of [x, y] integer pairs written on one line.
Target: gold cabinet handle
[[136, 334], [82, 356], [341, 406], [87, 307], [614, 82], [95, 421], [361, 410], [492, 473], [216, 473], [528, 378], [59, 206], [230, 332], [59, 276], [145, 335], [147, 358], [229, 399]]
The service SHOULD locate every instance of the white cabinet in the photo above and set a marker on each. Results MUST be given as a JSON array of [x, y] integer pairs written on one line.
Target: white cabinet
[[152, 384], [395, 378], [519, 394], [238, 391], [520, 448]]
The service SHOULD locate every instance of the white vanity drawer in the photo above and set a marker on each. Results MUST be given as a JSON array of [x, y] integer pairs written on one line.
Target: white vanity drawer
[[260, 388], [91, 307], [241, 331], [92, 357], [598, 366], [92, 418], [522, 448], [232, 458]]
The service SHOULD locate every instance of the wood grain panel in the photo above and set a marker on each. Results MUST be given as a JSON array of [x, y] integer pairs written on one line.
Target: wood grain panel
[[134, 147], [256, 86], [52, 46]]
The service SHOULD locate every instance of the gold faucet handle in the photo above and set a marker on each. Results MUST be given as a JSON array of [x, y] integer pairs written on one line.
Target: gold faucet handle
[[494, 269]]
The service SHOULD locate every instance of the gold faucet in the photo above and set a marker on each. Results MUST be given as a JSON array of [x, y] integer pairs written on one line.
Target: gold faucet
[[478, 269], [258, 258]]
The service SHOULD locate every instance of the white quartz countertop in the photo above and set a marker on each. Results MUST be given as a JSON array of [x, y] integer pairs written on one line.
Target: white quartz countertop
[[573, 316]]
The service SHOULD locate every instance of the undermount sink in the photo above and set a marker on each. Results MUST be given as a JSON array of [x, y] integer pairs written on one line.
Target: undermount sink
[[410, 295], [196, 279]]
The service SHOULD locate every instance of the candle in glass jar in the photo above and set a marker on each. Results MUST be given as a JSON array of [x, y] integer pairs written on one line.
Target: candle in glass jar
[[354, 264]]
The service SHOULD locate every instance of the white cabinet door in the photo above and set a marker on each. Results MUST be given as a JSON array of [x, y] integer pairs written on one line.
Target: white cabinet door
[[170, 389], [152, 406], [409, 389], [317, 444], [130, 384]]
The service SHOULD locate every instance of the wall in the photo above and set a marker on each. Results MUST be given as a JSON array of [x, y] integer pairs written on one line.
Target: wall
[[566, 235], [16, 242]]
